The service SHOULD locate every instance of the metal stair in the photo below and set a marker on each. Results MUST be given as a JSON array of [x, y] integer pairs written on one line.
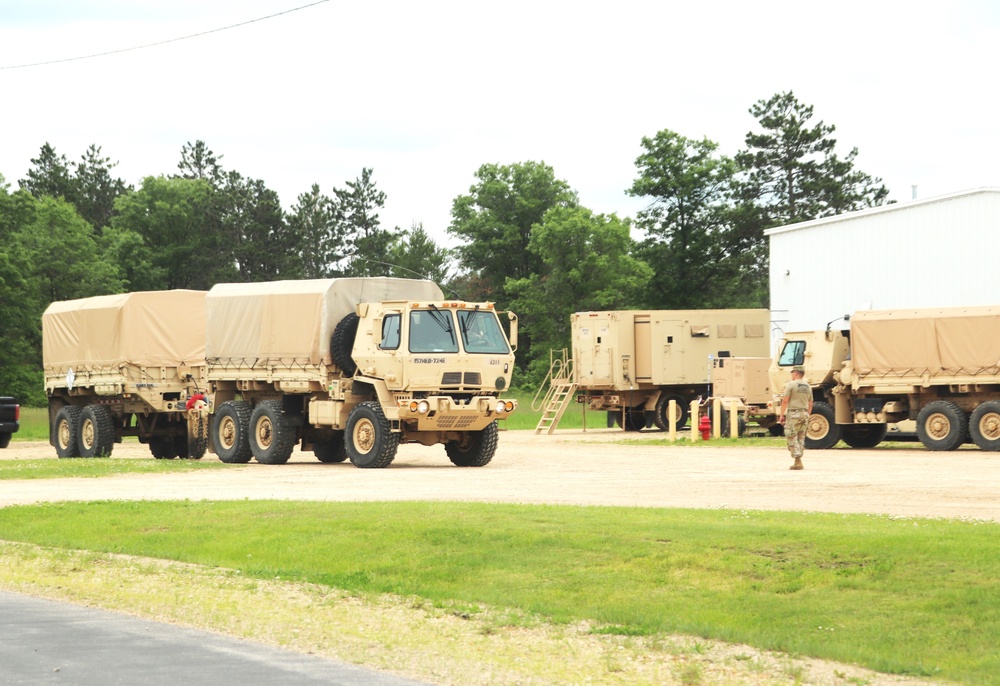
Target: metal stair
[[559, 385]]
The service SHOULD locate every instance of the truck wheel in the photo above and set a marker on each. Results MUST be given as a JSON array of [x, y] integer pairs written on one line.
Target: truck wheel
[[476, 448], [332, 452], [984, 425], [635, 418], [4, 439], [663, 407], [271, 438], [863, 435], [776, 430], [342, 344], [163, 447], [230, 432], [369, 439], [942, 425], [821, 431], [66, 431], [97, 431]]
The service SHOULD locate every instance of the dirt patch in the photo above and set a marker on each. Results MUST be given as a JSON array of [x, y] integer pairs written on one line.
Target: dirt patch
[[596, 467]]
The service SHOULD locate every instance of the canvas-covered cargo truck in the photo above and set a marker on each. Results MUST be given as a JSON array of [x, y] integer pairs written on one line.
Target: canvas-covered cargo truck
[[131, 364], [632, 363], [351, 368], [937, 367]]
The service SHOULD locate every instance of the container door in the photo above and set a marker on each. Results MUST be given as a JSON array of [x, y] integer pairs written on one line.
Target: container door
[[643, 349]]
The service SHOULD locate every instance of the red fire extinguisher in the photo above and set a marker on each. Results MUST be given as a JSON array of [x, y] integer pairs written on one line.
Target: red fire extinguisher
[[705, 427]]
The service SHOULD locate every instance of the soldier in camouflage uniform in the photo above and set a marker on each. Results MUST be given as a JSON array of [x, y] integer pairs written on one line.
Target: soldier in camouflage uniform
[[796, 406]]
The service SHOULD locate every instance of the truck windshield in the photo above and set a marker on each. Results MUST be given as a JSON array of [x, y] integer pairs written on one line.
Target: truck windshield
[[481, 332], [432, 331]]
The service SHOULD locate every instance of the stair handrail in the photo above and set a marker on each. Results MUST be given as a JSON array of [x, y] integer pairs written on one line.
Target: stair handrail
[[561, 370]]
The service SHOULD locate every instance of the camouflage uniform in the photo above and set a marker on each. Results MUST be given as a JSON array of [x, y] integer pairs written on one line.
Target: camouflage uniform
[[799, 395], [796, 422]]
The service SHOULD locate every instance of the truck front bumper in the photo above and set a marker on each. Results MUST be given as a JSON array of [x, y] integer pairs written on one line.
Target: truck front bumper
[[443, 413]]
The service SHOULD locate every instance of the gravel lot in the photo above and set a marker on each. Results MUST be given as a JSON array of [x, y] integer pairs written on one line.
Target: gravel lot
[[596, 467]]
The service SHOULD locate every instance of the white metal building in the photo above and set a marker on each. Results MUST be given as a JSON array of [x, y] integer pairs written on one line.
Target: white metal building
[[939, 252]]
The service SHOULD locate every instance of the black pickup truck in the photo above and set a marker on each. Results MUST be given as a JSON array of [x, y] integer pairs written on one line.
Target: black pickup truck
[[10, 413]]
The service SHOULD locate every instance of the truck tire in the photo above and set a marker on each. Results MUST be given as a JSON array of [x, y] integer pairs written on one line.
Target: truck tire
[[663, 407], [863, 435], [635, 418], [342, 344], [230, 432], [984, 425], [333, 451], [4, 439], [942, 425], [369, 439], [163, 447], [476, 448], [821, 431], [193, 448], [67, 430], [271, 438], [96, 431]]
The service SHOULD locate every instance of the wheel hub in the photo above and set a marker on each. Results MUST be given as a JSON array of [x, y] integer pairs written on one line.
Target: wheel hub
[[364, 436], [938, 426], [989, 426], [227, 433], [265, 433]]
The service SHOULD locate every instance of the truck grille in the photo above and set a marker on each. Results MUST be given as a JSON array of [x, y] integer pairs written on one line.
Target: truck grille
[[473, 379], [451, 378]]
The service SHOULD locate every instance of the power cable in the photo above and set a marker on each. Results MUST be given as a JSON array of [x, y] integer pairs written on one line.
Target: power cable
[[164, 42]]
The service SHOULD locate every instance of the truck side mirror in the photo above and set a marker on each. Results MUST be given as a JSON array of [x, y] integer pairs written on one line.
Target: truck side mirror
[[513, 330]]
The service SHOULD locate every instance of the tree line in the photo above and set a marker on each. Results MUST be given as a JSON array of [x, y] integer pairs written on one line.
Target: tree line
[[73, 230]]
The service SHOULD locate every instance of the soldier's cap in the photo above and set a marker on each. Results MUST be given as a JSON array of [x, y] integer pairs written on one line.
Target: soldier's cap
[[799, 368]]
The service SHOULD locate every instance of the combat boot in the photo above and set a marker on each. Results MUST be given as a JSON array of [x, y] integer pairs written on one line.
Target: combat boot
[[798, 464]]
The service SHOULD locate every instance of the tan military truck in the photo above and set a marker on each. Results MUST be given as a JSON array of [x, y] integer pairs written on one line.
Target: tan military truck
[[351, 368], [632, 363], [937, 367], [126, 365]]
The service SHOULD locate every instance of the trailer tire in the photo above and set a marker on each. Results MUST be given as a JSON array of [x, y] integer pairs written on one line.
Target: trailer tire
[[984, 425], [230, 432], [863, 435], [66, 431], [333, 451], [635, 418], [741, 424], [272, 439], [476, 448], [776, 430], [96, 431], [663, 407], [342, 344], [369, 439], [822, 432], [942, 425]]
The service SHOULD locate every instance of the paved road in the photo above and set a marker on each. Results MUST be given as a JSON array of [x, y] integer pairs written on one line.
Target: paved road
[[47, 642]]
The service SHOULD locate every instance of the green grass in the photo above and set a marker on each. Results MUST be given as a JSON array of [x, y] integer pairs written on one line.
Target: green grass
[[34, 425], [919, 597], [56, 469]]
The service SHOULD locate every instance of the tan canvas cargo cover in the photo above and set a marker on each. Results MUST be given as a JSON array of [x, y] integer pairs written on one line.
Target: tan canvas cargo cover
[[294, 319], [146, 329], [946, 341]]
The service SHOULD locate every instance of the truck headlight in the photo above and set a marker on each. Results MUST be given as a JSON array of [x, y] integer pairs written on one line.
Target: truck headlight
[[421, 407]]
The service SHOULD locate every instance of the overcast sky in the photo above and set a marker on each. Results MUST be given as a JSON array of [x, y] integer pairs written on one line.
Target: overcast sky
[[426, 92]]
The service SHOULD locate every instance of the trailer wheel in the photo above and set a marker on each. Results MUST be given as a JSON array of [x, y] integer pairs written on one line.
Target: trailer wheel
[[821, 431], [333, 451], [97, 431], [984, 425], [942, 425], [863, 435], [476, 448], [741, 424], [663, 407], [230, 432], [369, 439], [342, 344], [271, 438], [66, 431]]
